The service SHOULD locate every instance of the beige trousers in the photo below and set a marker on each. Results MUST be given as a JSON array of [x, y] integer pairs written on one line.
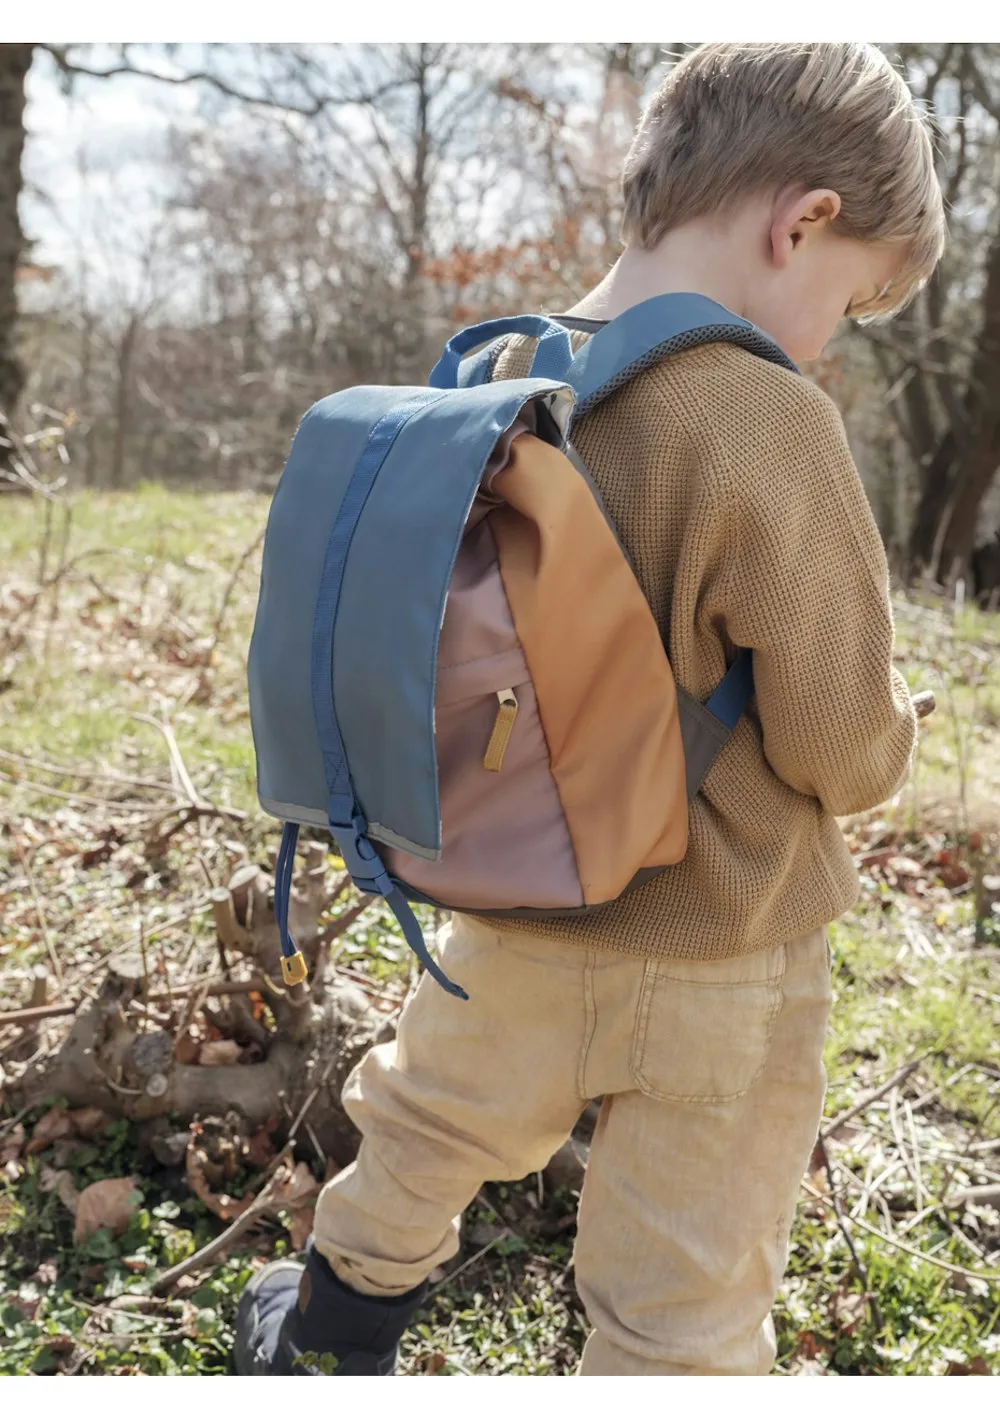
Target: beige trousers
[[713, 1083]]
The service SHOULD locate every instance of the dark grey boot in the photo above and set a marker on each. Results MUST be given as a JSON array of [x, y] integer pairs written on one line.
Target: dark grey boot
[[303, 1320]]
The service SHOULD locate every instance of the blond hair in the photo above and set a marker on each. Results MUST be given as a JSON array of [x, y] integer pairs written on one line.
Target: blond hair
[[731, 121]]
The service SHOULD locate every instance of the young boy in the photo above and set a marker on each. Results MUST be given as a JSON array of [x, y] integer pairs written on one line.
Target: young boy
[[794, 184]]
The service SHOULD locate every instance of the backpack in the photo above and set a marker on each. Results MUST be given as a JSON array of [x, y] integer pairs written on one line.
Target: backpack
[[453, 668]]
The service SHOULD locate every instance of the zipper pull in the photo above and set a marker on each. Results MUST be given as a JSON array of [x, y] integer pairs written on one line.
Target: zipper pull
[[502, 730]]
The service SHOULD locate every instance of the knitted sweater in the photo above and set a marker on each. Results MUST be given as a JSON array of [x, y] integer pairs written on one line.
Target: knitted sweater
[[732, 487]]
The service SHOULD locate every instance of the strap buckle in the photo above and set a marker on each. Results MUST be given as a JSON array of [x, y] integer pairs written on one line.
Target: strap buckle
[[368, 871], [294, 969]]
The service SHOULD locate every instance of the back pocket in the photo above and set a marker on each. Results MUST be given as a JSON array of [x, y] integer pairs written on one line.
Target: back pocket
[[704, 1028]]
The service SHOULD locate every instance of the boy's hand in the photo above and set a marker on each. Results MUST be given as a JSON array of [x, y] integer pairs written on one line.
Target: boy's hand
[[924, 703]]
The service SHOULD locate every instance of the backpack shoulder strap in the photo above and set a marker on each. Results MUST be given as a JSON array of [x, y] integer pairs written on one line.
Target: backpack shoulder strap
[[647, 333]]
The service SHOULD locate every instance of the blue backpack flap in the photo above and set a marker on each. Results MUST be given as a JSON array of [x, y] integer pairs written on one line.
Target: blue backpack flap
[[361, 541]]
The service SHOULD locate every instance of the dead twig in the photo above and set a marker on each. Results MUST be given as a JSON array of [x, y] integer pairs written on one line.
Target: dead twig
[[88, 775], [293, 1131], [926, 1256], [50, 945], [859, 1268], [118, 804], [342, 922], [902, 1246], [183, 785], [871, 1097], [227, 595], [212, 986], [501, 1237]]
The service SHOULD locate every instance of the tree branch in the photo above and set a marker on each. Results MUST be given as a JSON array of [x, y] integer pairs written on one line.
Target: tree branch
[[197, 76]]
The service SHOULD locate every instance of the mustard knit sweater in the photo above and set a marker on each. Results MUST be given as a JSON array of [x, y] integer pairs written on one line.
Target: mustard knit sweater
[[731, 484]]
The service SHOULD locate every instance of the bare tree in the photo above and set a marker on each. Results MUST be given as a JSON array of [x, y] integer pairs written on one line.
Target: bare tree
[[941, 360], [15, 60]]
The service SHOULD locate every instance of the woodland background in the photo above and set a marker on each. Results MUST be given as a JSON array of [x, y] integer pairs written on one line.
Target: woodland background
[[328, 214], [320, 216]]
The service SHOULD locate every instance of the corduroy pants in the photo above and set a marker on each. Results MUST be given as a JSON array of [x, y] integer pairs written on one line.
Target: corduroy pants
[[712, 1080]]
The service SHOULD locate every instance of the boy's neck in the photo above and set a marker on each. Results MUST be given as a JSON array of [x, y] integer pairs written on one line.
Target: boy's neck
[[700, 257]]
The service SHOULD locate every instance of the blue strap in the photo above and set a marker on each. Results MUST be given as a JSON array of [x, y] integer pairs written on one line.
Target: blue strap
[[283, 886], [734, 691], [553, 353], [646, 332], [403, 913], [346, 820], [476, 370]]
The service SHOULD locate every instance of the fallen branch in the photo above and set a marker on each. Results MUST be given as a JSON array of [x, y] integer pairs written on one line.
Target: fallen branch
[[212, 986], [89, 775], [871, 1097], [119, 805]]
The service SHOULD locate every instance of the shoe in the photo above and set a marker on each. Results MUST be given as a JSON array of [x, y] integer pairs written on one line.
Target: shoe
[[303, 1320]]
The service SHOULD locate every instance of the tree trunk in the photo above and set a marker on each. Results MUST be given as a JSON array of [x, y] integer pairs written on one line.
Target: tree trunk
[[959, 540], [15, 61], [964, 465], [937, 485], [123, 402]]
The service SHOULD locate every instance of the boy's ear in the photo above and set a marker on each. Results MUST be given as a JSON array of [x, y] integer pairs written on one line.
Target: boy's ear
[[796, 216]]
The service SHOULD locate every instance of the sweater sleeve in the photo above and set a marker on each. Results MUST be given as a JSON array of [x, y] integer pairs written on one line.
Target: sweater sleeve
[[806, 586]]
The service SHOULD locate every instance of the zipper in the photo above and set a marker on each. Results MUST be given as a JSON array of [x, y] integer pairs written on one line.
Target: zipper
[[503, 727]]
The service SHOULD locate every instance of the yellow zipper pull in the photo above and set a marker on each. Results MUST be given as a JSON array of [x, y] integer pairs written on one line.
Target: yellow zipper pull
[[502, 730]]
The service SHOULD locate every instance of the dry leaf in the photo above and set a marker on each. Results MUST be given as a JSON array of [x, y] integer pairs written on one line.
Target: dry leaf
[[60, 1344], [221, 1203], [187, 1047], [10, 1147], [260, 1149], [807, 1348], [61, 1183], [300, 1225], [89, 1122], [109, 1203], [953, 874], [55, 1124], [435, 1362], [849, 1308], [219, 1052], [976, 1366], [300, 1188]]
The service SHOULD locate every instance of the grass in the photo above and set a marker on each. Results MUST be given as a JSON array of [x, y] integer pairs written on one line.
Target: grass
[[136, 611], [129, 630]]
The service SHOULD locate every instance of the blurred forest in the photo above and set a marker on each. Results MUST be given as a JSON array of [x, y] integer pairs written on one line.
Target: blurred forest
[[338, 210]]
